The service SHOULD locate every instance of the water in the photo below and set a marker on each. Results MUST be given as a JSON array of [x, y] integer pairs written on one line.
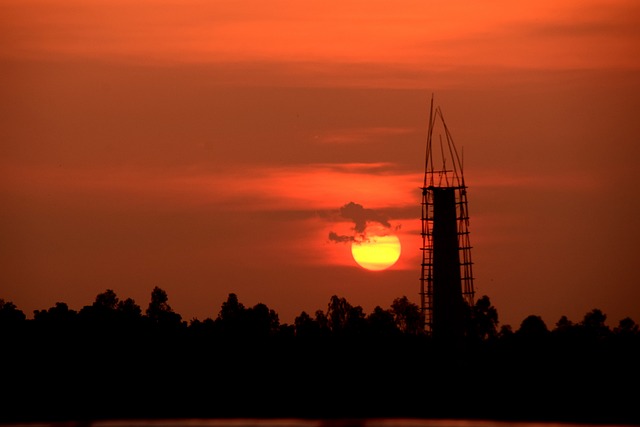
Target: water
[[292, 422]]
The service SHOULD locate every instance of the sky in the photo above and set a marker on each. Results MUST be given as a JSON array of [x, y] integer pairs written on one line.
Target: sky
[[207, 147]]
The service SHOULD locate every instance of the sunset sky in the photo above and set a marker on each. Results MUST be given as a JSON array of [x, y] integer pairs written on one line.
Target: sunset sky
[[207, 147]]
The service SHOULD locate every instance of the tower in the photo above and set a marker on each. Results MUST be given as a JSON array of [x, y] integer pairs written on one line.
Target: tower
[[446, 281]]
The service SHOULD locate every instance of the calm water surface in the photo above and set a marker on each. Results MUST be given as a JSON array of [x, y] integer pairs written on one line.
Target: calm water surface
[[392, 422]]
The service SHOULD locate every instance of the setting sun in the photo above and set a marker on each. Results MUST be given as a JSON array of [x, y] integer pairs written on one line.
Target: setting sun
[[378, 253]]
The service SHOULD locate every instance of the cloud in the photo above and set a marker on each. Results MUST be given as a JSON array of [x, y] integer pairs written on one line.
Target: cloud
[[362, 135], [361, 218], [335, 237]]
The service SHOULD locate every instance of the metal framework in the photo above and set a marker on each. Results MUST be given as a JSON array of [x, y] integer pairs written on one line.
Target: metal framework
[[443, 174]]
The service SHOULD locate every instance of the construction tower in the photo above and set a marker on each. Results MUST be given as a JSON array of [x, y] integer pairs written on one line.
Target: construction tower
[[446, 281]]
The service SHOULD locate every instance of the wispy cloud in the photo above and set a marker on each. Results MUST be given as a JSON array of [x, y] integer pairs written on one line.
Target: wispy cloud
[[558, 181], [312, 187], [315, 33], [362, 135]]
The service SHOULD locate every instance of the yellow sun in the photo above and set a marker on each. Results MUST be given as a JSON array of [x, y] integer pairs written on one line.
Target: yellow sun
[[378, 253]]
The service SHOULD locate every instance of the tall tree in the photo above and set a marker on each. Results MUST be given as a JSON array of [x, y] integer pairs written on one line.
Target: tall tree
[[232, 317], [356, 323], [337, 313], [107, 300], [261, 321], [305, 326], [382, 323], [484, 319], [407, 316], [323, 322], [159, 309], [231, 309], [594, 326]]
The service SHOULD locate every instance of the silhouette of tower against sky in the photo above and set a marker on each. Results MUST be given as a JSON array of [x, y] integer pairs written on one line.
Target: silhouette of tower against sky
[[446, 281]]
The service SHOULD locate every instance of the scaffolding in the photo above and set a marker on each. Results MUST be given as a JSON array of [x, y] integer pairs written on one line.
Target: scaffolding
[[446, 250]]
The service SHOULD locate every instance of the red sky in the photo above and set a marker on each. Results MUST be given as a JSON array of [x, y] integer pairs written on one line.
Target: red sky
[[207, 147]]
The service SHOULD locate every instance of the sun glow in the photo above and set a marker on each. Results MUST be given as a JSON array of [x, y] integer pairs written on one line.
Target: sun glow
[[378, 253]]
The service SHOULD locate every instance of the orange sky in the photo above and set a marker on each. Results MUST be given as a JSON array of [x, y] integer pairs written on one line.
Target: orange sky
[[207, 147]]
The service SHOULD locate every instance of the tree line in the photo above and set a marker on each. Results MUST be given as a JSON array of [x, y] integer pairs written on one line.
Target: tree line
[[341, 319], [114, 359]]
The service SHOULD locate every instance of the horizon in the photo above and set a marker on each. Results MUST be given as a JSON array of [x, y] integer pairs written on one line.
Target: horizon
[[608, 322]]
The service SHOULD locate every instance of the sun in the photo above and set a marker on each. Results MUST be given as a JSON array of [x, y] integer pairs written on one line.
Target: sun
[[378, 253]]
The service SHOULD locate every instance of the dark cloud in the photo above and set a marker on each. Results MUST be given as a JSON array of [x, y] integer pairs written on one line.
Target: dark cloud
[[335, 237], [360, 217]]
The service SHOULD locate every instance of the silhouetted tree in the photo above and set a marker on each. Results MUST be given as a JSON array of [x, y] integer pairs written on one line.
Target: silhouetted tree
[[158, 304], [506, 332], [232, 317], [60, 314], [306, 327], [159, 310], [484, 319], [202, 332], [382, 323], [594, 326], [627, 328], [129, 309], [563, 324], [286, 331], [356, 323], [58, 326], [196, 356], [261, 321], [565, 331], [533, 328], [231, 309], [407, 316], [10, 315], [322, 321], [106, 300], [102, 313], [337, 313]]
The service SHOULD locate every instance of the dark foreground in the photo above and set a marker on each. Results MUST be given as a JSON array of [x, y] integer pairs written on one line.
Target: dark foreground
[[110, 362], [58, 379], [300, 422]]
